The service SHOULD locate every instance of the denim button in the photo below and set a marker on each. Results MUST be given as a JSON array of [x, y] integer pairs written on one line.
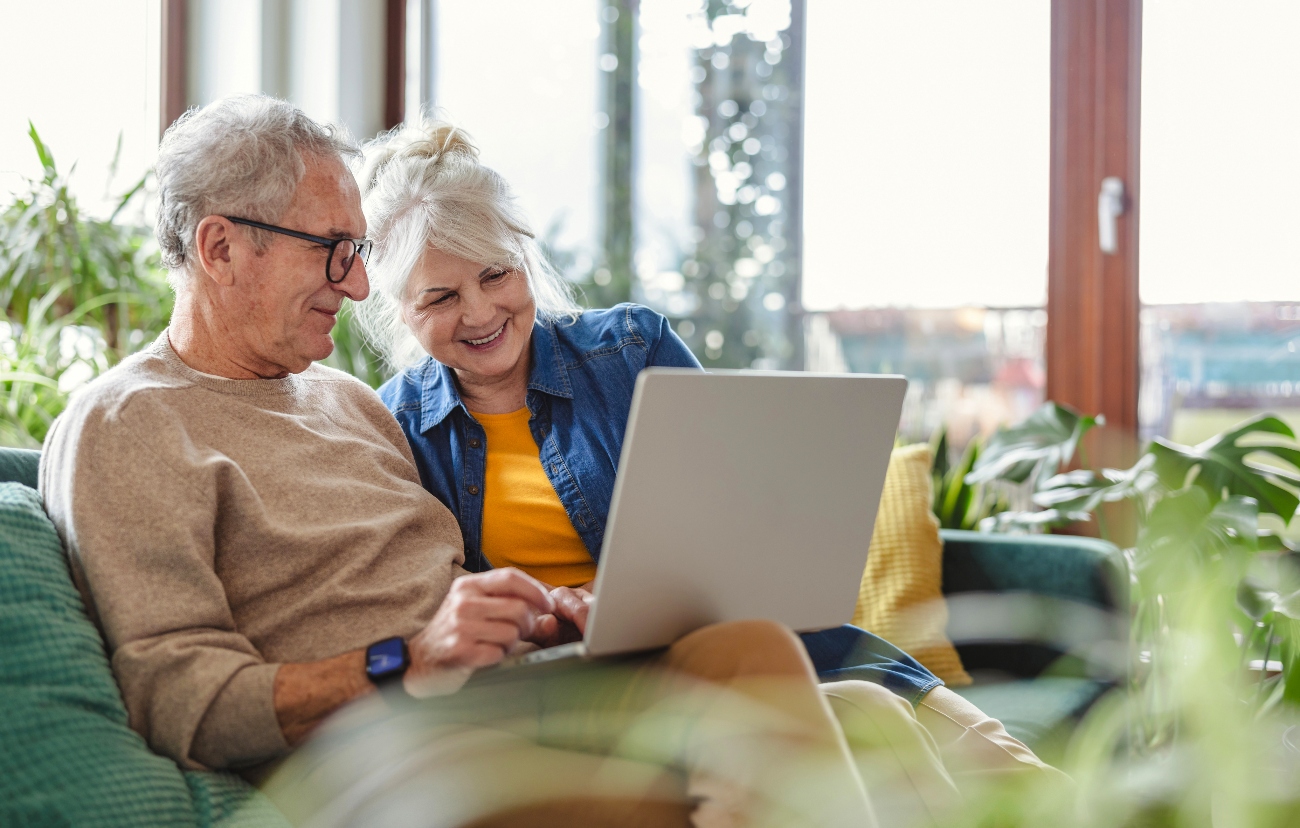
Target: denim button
[[475, 443], [473, 490]]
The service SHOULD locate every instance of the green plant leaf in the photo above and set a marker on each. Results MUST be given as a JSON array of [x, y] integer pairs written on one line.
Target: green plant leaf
[[941, 463], [1031, 521], [43, 152], [1036, 448], [1288, 630], [953, 496], [1185, 531], [1083, 490], [1221, 464]]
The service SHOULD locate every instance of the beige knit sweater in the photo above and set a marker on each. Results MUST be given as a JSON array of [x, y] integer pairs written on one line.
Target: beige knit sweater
[[218, 528]]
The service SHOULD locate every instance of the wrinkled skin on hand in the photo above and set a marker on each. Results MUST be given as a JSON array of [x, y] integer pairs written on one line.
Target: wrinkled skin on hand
[[484, 616]]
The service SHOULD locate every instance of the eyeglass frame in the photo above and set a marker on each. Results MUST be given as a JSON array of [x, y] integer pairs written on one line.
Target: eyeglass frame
[[362, 246]]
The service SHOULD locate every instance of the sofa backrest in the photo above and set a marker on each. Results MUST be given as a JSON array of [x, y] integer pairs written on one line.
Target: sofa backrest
[[67, 756], [19, 466]]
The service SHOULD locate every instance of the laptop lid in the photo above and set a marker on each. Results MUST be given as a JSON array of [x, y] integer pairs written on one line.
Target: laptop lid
[[741, 495]]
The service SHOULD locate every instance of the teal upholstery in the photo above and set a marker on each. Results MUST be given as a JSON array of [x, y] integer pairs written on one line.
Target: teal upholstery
[[19, 466], [1040, 623], [67, 756]]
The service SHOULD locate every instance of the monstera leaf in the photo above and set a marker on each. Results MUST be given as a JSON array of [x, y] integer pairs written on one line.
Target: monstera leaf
[[1185, 532], [1083, 490], [1036, 448], [1223, 464]]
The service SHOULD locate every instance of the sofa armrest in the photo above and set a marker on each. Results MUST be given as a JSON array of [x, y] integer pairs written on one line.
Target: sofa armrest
[[1059, 566], [1020, 605]]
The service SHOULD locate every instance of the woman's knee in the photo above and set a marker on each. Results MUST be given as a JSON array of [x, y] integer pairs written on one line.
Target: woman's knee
[[741, 648]]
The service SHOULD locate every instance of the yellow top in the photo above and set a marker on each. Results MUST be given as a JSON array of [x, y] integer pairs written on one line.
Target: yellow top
[[524, 522]]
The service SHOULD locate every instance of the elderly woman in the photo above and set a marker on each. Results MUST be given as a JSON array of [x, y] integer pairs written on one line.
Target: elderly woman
[[515, 401]]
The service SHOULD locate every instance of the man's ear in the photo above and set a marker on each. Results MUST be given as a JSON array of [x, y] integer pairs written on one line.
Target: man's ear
[[212, 244]]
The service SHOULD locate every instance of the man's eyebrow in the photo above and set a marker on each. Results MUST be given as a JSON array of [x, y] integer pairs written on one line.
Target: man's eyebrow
[[336, 233]]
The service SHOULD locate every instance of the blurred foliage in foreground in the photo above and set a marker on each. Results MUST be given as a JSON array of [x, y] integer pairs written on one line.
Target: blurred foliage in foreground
[[1206, 729]]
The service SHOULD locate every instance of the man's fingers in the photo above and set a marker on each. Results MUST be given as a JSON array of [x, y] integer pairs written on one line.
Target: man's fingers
[[522, 615], [572, 605], [508, 582], [498, 633]]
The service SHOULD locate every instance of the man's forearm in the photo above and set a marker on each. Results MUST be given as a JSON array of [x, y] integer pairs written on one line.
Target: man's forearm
[[306, 693]]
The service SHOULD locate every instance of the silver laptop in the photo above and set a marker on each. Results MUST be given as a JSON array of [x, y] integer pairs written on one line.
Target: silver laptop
[[739, 495]]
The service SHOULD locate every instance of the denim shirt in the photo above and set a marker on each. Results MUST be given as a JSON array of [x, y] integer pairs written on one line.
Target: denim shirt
[[579, 397]]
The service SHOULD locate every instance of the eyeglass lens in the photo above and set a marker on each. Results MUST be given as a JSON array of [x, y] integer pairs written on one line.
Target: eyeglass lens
[[341, 260], [344, 254]]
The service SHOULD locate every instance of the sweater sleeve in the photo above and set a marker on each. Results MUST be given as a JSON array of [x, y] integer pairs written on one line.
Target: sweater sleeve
[[136, 504]]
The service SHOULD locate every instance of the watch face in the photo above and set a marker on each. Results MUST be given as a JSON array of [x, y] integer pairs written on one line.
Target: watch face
[[385, 657]]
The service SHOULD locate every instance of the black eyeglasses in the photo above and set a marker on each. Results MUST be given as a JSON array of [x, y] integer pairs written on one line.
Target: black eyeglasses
[[343, 252]]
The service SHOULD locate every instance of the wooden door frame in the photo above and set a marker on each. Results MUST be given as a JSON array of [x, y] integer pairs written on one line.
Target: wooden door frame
[[1093, 307], [174, 94]]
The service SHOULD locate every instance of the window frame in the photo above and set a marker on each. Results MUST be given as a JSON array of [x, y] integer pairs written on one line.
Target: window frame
[[1093, 307]]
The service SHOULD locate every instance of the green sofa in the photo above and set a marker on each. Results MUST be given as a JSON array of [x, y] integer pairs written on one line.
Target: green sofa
[[1040, 623], [67, 757]]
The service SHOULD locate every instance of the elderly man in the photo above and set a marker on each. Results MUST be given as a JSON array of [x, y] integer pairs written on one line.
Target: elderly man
[[249, 531]]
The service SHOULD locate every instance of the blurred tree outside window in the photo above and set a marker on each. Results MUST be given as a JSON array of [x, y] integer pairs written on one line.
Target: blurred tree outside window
[[718, 177]]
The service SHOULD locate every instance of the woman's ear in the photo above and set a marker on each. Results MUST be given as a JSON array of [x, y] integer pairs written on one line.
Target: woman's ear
[[212, 244]]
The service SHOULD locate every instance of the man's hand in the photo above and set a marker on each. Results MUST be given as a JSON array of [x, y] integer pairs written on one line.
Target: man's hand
[[482, 617], [569, 620]]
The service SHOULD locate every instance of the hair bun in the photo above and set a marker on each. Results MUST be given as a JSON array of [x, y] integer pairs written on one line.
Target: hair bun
[[431, 141]]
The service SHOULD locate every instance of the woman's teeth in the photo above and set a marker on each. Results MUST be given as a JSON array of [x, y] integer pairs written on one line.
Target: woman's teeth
[[487, 339]]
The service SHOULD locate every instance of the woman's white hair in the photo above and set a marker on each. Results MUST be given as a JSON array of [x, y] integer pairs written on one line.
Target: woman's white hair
[[422, 186], [239, 156]]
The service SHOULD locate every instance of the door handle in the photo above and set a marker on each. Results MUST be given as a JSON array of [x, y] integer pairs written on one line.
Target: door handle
[[1110, 206]]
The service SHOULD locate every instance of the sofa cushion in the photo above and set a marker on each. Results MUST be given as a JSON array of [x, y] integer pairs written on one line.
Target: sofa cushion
[[19, 465], [900, 598], [67, 756]]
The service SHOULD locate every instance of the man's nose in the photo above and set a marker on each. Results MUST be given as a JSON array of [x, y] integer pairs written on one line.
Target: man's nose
[[356, 284]]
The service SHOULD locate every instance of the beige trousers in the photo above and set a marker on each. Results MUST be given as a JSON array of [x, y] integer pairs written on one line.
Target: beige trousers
[[726, 727]]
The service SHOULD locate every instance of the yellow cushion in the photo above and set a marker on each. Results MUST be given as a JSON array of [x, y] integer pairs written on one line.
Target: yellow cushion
[[901, 596]]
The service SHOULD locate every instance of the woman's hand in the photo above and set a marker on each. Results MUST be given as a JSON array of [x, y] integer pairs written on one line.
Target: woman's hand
[[482, 617]]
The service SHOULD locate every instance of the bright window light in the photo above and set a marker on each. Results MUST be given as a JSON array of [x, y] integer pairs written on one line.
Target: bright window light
[[926, 154]]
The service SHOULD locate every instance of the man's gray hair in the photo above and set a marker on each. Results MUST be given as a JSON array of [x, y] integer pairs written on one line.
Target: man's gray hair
[[240, 156], [423, 186]]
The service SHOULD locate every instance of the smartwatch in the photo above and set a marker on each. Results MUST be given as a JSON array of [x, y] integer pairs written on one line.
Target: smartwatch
[[386, 663]]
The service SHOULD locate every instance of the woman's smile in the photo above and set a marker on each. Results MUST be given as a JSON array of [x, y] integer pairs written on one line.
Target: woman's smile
[[488, 341]]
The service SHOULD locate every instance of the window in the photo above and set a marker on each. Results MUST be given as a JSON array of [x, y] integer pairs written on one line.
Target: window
[[96, 83], [522, 78], [926, 194], [1220, 277]]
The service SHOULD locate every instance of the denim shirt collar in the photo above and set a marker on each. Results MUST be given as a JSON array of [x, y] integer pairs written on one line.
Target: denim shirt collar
[[547, 374]]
